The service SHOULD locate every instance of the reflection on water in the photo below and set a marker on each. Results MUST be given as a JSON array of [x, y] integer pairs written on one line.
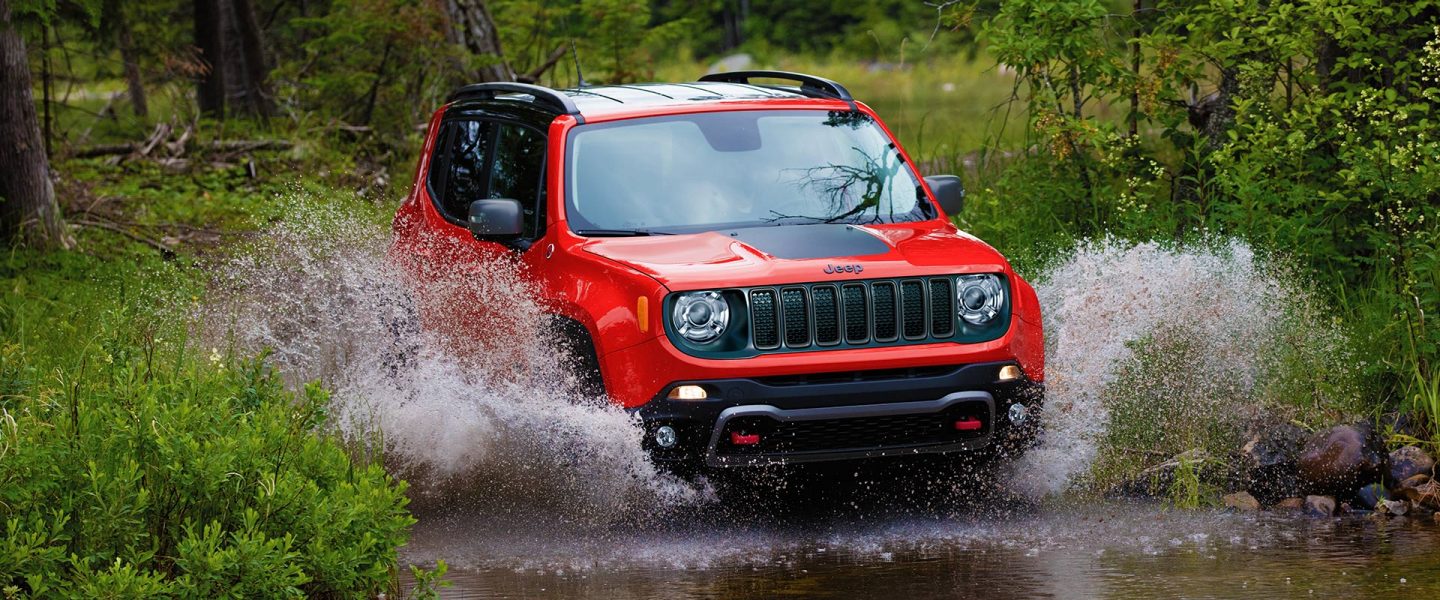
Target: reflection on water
[[1110, 550]]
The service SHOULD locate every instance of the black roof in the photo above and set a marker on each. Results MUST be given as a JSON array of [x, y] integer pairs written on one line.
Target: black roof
[[600, 99]]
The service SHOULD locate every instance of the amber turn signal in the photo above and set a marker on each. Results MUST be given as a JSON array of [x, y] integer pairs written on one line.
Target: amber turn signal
[[642, 313]]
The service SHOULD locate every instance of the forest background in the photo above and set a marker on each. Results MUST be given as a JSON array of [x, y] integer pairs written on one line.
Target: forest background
[[139, 138]]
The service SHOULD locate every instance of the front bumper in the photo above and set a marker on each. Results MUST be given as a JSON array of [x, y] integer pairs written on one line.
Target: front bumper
[[844, 416]]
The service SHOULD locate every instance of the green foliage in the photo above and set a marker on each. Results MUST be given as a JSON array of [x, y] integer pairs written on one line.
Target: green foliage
[[1168, 401], [372, 62], [1189, 488], [1308, 129], [428, 582], [617, 41], [130, 466]]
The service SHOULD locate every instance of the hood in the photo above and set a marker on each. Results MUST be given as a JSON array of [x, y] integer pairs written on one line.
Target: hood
[[800, 253]]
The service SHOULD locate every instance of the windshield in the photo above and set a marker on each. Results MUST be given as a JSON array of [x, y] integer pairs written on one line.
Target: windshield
[[698, 172]]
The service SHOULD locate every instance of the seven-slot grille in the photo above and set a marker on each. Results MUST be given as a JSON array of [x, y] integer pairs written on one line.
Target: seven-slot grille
[[852, 313]]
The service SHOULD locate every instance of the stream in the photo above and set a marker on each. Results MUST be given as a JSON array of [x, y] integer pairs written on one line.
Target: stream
[[1103, 550]]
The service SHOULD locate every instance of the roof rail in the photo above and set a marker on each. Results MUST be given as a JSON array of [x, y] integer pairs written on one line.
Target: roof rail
[[550, 98], [810, 85]]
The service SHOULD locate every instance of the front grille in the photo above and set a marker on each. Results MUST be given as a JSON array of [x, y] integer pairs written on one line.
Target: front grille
[[856, 313], [765, 322], [827, 315], [852, 434], [797, 317], [912, 294], [857, 325]]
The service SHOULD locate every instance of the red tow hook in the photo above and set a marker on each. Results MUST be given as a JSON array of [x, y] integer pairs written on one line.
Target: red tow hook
[[968, 424], [740, 439]]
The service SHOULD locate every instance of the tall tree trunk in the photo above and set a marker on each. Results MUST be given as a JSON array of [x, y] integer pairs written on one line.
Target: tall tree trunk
[[211, 92], [130, 57], [28, 212], [472, 27], [252, 50], [375, 86], [47, 87], [237, 95]]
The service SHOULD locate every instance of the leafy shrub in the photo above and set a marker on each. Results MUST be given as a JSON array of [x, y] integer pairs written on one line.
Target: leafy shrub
[[1168, 400], [131, 467], [1307, 131]]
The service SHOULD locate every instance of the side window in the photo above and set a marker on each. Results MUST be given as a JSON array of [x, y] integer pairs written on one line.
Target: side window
[[518, 173], [457, 173], [478, 159]]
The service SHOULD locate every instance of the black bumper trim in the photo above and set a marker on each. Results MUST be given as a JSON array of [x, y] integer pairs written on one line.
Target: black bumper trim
[[715, 459], [697, 421]]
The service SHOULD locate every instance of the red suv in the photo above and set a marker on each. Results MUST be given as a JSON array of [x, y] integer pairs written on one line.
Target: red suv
[[757, 270]]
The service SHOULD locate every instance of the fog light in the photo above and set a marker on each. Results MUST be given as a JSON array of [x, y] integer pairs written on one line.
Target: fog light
[[1018, 412], [665, 436], [688, 392], [1009, 373]]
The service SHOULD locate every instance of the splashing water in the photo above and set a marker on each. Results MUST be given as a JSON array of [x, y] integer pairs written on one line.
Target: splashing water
[[492, 423], [1109, 294], [495, 422]]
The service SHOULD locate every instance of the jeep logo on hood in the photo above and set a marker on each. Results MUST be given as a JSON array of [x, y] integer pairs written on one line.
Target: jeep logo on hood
[[831, 269]]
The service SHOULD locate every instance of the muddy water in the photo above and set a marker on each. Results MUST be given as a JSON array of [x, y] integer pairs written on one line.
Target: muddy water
[[1110, 550]]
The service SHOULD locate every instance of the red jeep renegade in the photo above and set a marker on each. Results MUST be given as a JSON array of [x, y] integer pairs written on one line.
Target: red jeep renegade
[[758, 270]]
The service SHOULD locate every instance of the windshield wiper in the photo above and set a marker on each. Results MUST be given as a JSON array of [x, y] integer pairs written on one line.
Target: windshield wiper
[[618, 232]]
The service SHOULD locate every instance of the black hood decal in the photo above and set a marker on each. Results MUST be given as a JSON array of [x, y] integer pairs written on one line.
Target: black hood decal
[[798, 242]]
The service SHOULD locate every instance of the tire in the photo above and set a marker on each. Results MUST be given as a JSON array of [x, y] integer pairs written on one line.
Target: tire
[[576, 351]]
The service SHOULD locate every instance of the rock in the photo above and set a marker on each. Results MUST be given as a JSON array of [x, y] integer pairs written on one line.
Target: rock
[[1411, 482], [1290, 504], [1339, 460], [1267, 464], [1396, 508], [1422, 491], [1319, 506], [1371, 495], [1241, 501], [1409, 461]]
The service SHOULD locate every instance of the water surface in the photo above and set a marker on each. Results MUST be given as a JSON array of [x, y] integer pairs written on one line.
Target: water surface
[[1101, 550]]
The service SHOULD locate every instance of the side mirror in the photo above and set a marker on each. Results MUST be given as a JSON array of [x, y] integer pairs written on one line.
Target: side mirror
[[948, 191], [499, 218]]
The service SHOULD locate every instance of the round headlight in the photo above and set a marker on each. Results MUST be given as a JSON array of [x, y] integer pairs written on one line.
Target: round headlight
[[981, 298], [700, 316]]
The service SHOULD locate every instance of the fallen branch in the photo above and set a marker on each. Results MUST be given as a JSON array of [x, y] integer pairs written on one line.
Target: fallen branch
[[104, 150], [165, 250], [162, 131], [248, 145], [220, 145]]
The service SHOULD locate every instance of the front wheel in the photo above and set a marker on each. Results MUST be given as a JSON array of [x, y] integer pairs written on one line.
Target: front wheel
[[576, 351]]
